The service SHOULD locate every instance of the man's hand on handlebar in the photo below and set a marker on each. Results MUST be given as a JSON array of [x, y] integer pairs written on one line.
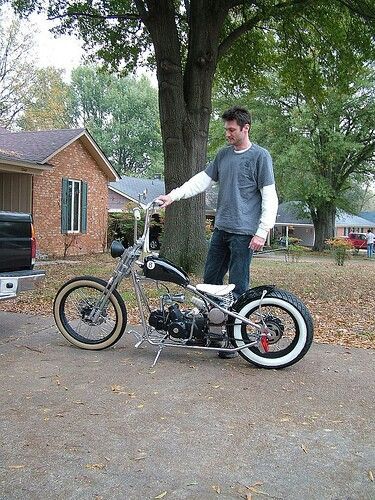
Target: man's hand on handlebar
[[165, 200]]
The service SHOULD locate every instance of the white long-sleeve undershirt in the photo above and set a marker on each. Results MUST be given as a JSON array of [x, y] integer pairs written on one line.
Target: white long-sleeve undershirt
[[201, 181], [197, 184]]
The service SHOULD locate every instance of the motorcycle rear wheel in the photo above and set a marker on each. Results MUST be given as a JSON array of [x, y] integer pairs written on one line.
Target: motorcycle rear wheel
[[289, 323], [72, 306]]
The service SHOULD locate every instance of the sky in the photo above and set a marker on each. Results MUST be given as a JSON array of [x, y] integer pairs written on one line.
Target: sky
[[61, 52]]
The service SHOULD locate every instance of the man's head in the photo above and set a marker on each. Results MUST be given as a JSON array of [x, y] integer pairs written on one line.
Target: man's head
[[240, 115], [237, 123]]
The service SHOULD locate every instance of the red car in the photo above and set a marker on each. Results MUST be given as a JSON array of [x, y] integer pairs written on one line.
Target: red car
[[358, 240]]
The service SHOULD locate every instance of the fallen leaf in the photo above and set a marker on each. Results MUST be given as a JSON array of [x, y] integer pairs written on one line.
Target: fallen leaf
[[216, 488], [257, 483], [162, 495], [95, 466], [117, 389], [371, 475]]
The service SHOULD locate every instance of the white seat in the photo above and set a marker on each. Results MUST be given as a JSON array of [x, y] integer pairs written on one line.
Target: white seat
[[217, 290]]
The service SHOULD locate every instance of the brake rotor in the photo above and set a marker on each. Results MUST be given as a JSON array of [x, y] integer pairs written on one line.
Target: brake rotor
[[275, 328], [86, 307]]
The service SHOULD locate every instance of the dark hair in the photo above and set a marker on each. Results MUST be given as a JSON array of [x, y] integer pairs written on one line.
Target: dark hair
[[241, 115]]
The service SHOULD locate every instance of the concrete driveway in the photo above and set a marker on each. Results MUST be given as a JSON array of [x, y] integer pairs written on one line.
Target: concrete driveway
[[104, 425]]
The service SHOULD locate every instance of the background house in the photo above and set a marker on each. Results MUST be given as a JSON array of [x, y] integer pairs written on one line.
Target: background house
[[133, 190], [346, 223], [368, 216], [60, 177], [292, 221]]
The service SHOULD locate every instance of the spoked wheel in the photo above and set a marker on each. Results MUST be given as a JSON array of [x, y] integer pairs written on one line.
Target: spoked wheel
[[286, 320], [73, 307]]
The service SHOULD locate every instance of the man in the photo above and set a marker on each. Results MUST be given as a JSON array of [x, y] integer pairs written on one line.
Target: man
[[247, 202], [370, 243]]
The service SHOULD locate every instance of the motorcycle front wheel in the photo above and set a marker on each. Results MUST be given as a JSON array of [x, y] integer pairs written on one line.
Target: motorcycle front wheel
[[289, 324], [73, 305]]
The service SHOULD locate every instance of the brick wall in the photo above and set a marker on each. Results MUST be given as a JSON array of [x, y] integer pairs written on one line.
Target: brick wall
[[73, 162], [116, 201]]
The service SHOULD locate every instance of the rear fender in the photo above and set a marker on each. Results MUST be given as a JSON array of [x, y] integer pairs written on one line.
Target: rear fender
[[252, 294]]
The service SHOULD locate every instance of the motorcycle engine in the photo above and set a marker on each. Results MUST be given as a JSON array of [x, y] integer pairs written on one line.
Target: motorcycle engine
[[181, 325]]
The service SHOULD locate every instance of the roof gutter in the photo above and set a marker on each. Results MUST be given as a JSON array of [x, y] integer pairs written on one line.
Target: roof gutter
[[23, 167]]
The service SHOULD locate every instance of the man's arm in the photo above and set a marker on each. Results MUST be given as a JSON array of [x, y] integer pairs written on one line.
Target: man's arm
[[197, 184], [270, 204]]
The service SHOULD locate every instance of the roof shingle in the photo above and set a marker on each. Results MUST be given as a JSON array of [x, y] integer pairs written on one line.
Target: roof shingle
[[35, 146]]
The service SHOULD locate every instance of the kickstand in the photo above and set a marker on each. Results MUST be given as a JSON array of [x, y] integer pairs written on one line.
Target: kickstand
[[161, 347]]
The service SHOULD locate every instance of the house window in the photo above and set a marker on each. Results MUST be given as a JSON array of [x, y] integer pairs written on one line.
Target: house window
[[73, 206]]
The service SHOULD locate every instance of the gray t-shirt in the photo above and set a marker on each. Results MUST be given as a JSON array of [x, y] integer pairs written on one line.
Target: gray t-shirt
[[241, 176]]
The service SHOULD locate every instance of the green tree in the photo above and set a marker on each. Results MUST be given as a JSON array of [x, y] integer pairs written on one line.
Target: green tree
[[17, 71], [48, 102], [322, 150], [122, 115], [188, 40], [315, 111]]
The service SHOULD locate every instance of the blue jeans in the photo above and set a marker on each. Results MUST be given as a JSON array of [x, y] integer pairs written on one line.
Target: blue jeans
[[370, 248], [231, 252]]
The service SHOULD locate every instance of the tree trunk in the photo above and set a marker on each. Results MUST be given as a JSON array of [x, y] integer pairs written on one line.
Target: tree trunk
[[185, 109], [324, 224]]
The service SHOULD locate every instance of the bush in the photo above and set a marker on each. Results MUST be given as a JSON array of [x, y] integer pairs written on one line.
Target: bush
[[294, 250], [339, 248], [121, 227]]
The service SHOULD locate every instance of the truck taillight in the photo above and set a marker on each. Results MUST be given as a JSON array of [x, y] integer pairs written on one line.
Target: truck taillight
[[33, 245]]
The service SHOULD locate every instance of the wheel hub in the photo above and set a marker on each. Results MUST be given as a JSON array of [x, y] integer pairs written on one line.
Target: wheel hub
[[86, 307], [275, 328]]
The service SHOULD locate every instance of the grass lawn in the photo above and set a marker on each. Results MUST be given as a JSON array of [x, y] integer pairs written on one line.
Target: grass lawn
[[340, 299]]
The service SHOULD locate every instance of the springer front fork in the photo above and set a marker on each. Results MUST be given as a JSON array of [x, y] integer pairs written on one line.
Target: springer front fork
[[123, 269]]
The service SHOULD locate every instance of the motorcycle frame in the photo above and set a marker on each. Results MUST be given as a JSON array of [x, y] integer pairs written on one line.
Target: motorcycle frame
[[125, 268]]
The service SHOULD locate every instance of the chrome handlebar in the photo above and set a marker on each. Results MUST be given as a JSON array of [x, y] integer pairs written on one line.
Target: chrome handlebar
[[149, 209]]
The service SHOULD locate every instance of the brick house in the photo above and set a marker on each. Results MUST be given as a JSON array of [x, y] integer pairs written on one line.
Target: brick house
[[61, 177]]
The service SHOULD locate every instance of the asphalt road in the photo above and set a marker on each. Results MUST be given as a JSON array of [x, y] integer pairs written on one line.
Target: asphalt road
[[104, 425]]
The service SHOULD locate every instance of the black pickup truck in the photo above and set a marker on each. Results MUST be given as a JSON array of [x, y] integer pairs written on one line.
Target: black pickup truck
[[17, 255]]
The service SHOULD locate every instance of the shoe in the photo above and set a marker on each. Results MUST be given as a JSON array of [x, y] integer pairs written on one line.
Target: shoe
[[227, 355]]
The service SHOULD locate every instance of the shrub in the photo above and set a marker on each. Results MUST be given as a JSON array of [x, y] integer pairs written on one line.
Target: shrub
[[339, 248], [294, 250]]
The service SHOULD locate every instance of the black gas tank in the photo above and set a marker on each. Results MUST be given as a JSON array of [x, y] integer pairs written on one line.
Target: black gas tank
[[161, 269]]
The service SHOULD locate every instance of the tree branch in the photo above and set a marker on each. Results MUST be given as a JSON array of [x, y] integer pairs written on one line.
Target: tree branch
[[129, 16], [248, 25], [364, 9]]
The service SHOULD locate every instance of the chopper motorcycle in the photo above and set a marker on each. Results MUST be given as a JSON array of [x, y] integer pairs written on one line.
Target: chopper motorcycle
[[269, 327]]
